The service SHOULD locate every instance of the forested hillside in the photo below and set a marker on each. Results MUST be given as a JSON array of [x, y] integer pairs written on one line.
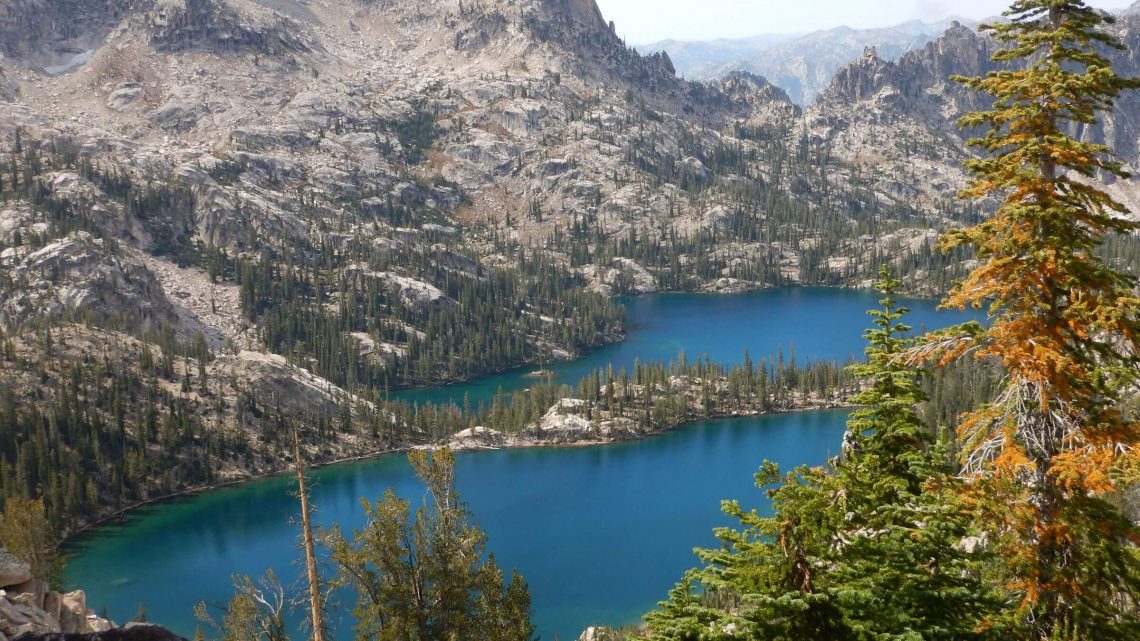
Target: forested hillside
[[226, 221], [248, 218]]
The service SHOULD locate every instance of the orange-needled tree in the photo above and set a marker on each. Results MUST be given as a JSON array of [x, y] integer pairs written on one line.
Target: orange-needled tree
[[1050, 455]]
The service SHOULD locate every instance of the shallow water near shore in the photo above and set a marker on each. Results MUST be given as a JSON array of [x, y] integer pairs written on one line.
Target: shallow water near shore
[[600, 533]]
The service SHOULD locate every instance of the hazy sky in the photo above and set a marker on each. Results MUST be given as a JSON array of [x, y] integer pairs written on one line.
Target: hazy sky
[[645, 21]]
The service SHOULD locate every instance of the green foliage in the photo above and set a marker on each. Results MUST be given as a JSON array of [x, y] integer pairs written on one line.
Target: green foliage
[[425, 575], [1050, 456], [491, 320], [866, 548], [26, 532], [256, 612]]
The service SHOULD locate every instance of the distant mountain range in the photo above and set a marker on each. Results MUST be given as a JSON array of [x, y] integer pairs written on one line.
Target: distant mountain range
[[800, 64]]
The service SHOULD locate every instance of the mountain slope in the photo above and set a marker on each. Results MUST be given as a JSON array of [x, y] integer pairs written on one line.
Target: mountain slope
[[899, 118], [262, 215], [804, 65]]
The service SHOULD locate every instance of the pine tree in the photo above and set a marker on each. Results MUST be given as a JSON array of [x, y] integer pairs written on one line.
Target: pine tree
[[903, 572], [426, 576], [1048, 456], [867, 548]]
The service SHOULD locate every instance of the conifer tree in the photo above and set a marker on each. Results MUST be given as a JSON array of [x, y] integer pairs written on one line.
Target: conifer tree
[[867, 548], [1049, 455], [425, 575]]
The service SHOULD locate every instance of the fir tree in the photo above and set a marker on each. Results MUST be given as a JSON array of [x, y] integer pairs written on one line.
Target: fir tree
[[867, 548], [1049, 455]]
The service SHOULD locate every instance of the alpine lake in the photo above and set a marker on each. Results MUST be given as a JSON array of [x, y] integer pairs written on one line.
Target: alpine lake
[[600, 533]]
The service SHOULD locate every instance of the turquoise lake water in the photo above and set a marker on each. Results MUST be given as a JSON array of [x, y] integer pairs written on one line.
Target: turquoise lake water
[[816, 323], [600, 534]]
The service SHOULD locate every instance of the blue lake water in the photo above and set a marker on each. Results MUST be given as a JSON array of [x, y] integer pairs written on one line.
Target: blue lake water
[[815, 323], [600, 534]]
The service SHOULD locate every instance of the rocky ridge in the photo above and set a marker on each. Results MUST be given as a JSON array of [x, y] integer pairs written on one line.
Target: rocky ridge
[[802, 65], [898, 119]]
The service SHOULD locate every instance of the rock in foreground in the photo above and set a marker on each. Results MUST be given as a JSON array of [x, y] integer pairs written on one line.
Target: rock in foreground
[[130, 632]]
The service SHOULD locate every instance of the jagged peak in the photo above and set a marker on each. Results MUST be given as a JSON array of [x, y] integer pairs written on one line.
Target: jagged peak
[[919, 81], [755, 91]]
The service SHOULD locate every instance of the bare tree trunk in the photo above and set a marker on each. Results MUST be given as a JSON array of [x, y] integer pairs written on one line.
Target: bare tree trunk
[[315, 598]]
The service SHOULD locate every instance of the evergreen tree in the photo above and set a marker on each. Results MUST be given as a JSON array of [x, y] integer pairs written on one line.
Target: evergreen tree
[[427, 576], [903, 572], [867, 548], [1048, 457]]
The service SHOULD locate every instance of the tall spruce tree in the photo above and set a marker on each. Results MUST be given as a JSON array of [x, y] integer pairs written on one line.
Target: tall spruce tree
[[867, 548], [1050, 454]]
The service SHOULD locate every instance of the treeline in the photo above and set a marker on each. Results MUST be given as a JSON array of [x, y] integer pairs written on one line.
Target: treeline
[[88, 431], [93, 421], [657, 396]]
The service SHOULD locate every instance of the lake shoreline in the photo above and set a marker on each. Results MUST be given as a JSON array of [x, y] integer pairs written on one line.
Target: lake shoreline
[[513, 442], [584, 522]]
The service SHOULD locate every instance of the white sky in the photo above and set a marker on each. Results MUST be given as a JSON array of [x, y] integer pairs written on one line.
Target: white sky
[[645, 21]]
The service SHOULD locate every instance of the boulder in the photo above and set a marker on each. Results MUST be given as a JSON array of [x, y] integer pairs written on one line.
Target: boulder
[[99, 624], [53, 604], [10, 615], [562, 419], [38, 619], [622, 276], [13, 571], [593, 633], [73, 613], [178, 115], [416, 294], [476, 438], [35, 588], [125, 96], [26, 600]]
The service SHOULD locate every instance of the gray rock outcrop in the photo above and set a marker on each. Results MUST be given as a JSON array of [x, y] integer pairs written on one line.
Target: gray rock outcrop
[[81, 275], [216, 25], [13, 571], [28, 609], [9, 86], [129, 632]]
